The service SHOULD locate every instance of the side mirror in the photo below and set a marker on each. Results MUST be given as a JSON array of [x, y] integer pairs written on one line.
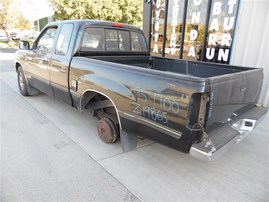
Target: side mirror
[[24, 45]]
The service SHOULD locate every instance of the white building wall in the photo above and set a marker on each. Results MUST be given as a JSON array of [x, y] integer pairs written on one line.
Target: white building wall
[[251, 40]]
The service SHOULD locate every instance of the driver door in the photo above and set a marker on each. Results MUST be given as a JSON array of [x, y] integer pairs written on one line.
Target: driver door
[[40, 59]]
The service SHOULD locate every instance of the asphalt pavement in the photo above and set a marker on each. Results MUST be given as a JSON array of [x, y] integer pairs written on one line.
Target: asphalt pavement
[[50, 152]]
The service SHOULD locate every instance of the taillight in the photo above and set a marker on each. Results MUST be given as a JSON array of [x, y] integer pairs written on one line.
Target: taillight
[[198, 109]]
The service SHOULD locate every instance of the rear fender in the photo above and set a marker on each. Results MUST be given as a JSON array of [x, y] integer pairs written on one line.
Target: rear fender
[[105, 85], [112, 91]]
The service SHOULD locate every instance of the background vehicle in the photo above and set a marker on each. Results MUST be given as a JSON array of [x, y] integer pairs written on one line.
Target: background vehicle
[[34, 34], [14, 35]]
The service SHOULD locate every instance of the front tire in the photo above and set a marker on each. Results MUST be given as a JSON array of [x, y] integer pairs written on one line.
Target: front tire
[[25, 88], [22, 82]]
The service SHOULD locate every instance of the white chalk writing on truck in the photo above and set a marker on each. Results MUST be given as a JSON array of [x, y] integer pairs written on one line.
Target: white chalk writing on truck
[[154, 106]]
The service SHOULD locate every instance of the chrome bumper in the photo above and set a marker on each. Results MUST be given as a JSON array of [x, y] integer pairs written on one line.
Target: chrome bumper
[[222, 139]]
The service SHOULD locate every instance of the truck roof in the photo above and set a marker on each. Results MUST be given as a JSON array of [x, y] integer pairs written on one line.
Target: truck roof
[[98, 23]]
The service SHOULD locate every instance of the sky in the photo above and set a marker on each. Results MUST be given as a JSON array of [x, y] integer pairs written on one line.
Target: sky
[[35, 9]]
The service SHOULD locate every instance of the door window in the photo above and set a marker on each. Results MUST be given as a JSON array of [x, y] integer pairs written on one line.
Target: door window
[[45, 43]]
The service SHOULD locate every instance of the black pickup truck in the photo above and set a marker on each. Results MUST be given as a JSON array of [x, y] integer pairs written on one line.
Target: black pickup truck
[[105, 69]]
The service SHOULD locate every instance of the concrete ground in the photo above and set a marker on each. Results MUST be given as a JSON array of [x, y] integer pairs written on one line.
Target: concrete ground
[[50, 152]]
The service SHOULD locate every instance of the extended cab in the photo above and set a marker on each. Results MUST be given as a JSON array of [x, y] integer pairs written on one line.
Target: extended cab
[[105, 69]]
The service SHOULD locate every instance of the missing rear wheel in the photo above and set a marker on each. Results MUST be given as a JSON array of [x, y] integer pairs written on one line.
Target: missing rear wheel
[[107, 130]]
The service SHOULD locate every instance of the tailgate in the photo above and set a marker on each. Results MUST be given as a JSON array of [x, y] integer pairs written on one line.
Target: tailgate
[[232, 113], [231, 94]]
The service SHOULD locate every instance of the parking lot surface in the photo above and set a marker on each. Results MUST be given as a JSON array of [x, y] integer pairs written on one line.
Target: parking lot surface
[[51, 152]]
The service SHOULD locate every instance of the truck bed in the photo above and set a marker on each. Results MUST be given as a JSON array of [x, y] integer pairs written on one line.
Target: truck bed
[[230, 89], [197, 69]]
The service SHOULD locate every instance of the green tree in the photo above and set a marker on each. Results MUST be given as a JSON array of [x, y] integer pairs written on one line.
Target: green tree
[[126, 11], [131, 11], [11, 18], [22, 23]]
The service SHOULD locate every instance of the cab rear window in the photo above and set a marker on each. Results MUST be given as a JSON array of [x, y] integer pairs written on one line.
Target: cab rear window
[[113, 40]]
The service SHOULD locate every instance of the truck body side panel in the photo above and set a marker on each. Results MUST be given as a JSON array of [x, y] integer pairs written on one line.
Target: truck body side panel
[[142, 95]]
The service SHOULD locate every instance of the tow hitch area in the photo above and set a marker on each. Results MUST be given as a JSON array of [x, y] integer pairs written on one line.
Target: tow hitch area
[[220, 140]]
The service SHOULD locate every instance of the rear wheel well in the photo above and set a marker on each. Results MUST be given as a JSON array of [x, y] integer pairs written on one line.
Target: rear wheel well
[[99, 105], [103, 108], [109, 125]]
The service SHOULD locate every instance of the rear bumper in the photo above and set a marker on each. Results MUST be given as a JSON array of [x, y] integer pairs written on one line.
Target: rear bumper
[[222, 139]]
